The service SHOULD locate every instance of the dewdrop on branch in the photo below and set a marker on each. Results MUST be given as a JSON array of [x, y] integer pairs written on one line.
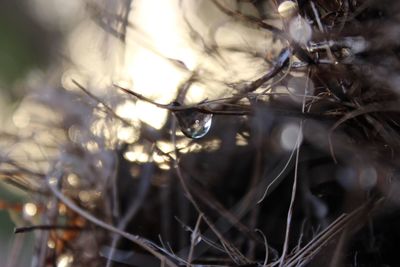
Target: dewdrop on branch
[[193, 123]]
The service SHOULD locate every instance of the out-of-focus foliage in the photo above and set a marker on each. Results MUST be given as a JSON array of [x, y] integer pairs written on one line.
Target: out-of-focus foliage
[[24, 44]]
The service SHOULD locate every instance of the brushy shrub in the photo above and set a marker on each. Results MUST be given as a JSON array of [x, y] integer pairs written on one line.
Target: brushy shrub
[[276, 144]]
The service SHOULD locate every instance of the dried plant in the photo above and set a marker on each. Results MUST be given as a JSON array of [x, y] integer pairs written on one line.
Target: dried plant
[[286, 157]]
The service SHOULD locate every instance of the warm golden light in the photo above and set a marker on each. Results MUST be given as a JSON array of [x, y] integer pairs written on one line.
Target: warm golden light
[[240, 140], [142, 111], [51, 244], [21, 118], [137, 154], [128, 134], [65, 260], [153, 116], [30, 209], [88, 196], [73, 179]]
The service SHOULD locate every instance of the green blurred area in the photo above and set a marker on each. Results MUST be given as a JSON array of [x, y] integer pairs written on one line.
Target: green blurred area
[[8, 240], [17, 56], [24, 46]]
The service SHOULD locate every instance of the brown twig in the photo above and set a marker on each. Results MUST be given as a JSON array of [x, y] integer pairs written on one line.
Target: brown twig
[[25, 229]]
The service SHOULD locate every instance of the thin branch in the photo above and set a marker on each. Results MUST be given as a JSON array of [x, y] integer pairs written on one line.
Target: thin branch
[[44, 227], [391, 106], [194, 236], [133, 209], [145, 244], [266, 246], [247, 18], [108, 108], [293, 196]]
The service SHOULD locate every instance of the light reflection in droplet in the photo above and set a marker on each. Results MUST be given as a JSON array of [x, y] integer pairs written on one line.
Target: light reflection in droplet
[[193, 123]]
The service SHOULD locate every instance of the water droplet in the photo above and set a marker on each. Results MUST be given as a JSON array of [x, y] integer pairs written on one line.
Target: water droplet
[[193, 123]]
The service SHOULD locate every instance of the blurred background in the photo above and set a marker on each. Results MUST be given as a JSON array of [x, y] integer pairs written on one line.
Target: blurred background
[[25, 45], [64, 121], [45, 44]]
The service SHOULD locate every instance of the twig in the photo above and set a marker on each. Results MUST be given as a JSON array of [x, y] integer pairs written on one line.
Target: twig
[[293, 196], [44, 227], [14, 255], [145, 244], [202, 107], [266, 246], [316, 244], [250, 19], [278, 175], [133, 209], [108, 108], [374, 107], [194, 236], [237, 257], [203, 237], [294, 187]]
